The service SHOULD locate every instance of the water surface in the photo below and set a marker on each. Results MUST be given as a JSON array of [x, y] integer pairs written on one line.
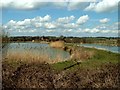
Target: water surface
[[103, 47]]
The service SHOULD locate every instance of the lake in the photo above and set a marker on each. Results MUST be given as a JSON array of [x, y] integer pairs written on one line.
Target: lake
[[114, 49], [37, 50]]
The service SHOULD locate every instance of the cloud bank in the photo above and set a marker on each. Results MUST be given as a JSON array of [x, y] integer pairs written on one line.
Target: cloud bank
[[87, 5], [103, 6]]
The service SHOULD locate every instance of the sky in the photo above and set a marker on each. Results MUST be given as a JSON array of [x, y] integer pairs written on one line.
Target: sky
[[78, 18]]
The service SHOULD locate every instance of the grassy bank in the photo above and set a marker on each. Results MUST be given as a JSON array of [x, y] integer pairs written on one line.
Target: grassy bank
[[89, 58]]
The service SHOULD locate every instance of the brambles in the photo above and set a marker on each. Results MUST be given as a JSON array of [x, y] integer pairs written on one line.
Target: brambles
[[41, 75]]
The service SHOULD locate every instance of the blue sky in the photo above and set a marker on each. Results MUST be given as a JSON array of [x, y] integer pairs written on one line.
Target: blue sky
[[81, 19]]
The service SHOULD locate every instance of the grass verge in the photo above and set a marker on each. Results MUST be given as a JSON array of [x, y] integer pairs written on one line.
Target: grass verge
[[99, 58]]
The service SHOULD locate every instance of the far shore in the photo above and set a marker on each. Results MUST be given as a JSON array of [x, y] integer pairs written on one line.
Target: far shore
[[65, 42]]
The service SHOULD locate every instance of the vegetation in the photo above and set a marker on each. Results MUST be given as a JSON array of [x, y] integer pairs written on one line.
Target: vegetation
[[89, 58], [89, 68], [114, 41], [4, 38], [57, 44]]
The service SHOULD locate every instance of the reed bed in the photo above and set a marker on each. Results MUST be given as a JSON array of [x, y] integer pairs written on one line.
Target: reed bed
[[57, 44], [80, 54], [32, 53], [29, 56]]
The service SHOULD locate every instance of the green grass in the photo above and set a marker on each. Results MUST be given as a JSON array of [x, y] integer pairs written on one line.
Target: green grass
[[100, 57], [61, 65]]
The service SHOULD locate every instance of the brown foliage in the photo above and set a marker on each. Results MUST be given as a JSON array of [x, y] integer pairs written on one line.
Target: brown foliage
[[40, 75]]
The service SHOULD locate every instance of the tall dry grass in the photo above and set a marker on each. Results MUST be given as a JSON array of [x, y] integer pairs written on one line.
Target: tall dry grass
[[57, 44], [29, 56], [26, 56], [80, 54]]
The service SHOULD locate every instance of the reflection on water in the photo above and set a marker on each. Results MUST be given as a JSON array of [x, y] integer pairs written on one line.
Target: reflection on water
[[103, 47], [37, 49]]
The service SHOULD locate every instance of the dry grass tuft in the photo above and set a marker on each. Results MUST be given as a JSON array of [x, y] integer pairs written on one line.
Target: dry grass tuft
[[81, 54], [57, 44], [30, 57], [27, 56]]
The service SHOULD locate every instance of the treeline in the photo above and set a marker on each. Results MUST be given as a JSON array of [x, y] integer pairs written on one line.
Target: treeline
[[100, 40]]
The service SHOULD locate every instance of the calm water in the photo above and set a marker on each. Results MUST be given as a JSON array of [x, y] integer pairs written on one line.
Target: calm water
[[38, 49], [103, 47]]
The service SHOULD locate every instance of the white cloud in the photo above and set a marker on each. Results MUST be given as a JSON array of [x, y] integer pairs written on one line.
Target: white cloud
[[100, 6], [49, 25], [25, 22], [32, 30], [38, 25], [65, 19], [95, 30], [11, 23], [103, 6], [83, 19], [34, 4], [67, 30], [28, 24], [46, 25], [77, 5], [23, 4], [46, 18], [105, 20], [105, 26], [106, 31], [50, 30], [59, 4], [3, 27], [37, 22], [70, 25], [41, 19], [19, 23]]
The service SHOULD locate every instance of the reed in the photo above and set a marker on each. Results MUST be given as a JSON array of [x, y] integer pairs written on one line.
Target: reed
[[80, 54], [57, 44], [29, 56], [26, 56]]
